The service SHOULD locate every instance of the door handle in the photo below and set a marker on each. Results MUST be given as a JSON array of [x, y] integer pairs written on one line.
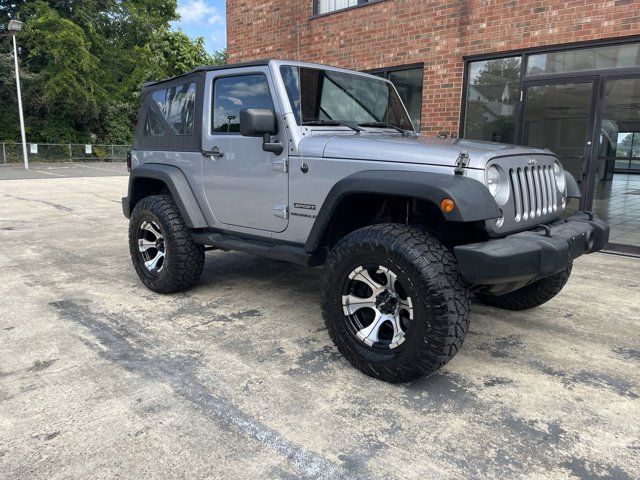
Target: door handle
[[213, 153]]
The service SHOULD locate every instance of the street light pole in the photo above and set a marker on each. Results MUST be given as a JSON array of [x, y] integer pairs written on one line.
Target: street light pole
[[16, 26]]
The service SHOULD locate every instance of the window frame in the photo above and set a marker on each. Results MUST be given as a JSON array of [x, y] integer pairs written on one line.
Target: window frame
[[215, 78], [398, 68], [361, 3]]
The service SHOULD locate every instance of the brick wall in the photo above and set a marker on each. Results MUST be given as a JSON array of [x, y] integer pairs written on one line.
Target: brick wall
[[437, 32]]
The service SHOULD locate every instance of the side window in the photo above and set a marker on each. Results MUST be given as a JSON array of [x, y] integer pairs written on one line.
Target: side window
[[178, 105], [153, 125], [232, 94]]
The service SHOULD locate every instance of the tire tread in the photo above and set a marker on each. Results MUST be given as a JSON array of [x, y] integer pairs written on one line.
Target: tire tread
[[441, 283], [187, 259]]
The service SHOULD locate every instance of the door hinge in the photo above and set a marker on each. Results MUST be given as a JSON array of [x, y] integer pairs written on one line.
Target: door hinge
[[281, 165], [281, 211]]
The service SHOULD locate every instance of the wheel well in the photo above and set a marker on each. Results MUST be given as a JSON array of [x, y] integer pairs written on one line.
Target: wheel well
[[145, 187], [360, 210]]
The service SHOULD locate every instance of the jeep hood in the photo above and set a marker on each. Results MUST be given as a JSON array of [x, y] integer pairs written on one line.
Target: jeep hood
[[420, 149]]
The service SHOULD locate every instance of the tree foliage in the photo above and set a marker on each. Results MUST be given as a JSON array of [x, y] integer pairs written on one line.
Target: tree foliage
[[82, 64]]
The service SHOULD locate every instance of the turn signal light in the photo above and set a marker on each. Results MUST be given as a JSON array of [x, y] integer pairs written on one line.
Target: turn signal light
[[447, 205]]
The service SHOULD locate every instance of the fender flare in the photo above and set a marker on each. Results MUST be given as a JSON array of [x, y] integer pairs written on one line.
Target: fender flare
[[473, 200], [177, 184], [573, 190]]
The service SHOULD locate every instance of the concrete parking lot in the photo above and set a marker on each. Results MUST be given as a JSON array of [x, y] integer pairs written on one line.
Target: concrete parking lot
[[16, 171], [101, 378]]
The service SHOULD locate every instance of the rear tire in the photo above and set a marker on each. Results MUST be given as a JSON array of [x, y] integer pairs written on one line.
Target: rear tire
[[402, 339], [164, 254], [529, 296]]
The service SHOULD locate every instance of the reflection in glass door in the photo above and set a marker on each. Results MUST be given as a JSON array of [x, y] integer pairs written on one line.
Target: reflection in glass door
[[617, 195], [558, 116]]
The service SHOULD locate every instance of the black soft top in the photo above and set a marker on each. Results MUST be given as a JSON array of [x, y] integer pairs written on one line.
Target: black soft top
[[169, 140], [211, 68]]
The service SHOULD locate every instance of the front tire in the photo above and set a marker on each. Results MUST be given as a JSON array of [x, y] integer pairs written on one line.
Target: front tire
[[165, 257], [529, 296], [394, 302]]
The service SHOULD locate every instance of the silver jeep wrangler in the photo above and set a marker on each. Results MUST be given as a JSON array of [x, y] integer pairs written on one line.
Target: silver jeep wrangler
[[321, 166]]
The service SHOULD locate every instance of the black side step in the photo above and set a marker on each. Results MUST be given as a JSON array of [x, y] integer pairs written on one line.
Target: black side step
[[288, 253]]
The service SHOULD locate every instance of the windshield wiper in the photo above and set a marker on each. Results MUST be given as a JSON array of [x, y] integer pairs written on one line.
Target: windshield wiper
[[333, 123], [405, 133]]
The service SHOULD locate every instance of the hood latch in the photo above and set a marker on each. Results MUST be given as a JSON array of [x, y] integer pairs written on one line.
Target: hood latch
[[461, 162]]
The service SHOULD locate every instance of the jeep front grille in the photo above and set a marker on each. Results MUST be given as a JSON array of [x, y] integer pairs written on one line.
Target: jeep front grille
[[534, 192]]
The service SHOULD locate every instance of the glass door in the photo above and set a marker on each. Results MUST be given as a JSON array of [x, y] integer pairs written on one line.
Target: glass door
[[620, 131], [559, 115], [617, 173]]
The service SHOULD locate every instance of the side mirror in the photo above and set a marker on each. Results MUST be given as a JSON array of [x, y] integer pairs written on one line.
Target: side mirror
[[260, 122], [256, 122]]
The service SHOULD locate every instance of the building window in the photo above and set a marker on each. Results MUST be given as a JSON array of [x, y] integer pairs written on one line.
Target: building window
[[232, 94], [620, 131], [408, 82], [326, 6], [585, 59], [492, 98]]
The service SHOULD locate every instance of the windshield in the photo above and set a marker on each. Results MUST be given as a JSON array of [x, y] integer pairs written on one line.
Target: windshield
[[325, 96]]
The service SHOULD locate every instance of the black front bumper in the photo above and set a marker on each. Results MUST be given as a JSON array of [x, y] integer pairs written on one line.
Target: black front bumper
[[530, 255]]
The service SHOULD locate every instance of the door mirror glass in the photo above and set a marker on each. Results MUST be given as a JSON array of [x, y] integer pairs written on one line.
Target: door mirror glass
[[257, 122]]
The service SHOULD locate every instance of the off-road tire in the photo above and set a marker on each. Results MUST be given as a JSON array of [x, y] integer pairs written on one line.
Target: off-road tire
[[184, 258], [441, 318], [530, 296]]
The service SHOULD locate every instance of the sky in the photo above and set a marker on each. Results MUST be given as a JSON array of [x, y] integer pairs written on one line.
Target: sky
[[203, 18]]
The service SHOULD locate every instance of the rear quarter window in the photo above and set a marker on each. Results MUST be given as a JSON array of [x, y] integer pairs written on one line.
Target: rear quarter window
[[153, 124], [177, 105]]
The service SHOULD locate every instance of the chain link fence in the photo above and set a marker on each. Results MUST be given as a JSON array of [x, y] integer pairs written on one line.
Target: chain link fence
[[11, 152]]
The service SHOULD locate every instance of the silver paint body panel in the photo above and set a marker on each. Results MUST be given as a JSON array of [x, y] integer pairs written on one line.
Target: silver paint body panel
[[239, 191]]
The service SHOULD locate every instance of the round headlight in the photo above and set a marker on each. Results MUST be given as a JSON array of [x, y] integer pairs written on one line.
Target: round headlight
[[493, 180], [558, 173], [498, 184]]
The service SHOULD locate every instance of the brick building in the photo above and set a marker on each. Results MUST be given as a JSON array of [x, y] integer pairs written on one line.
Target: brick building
[[564, 74]]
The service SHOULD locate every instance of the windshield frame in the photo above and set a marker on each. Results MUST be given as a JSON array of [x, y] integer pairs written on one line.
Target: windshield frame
[[297, 117]]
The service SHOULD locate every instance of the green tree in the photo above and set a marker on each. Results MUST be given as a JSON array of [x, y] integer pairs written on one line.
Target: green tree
[[8, 100], [65, 91], [166, 54], [83, 62]]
